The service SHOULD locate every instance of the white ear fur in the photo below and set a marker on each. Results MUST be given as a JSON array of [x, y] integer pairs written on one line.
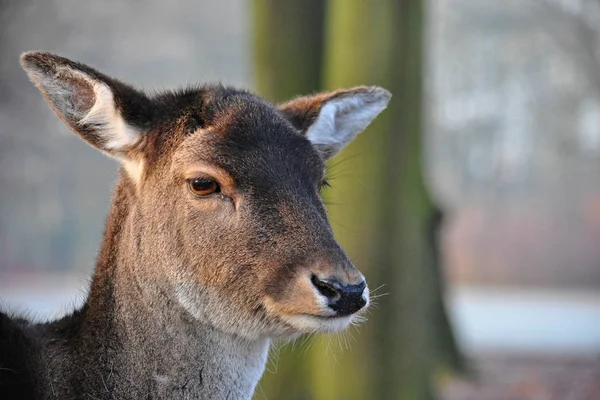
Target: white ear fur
[[86, 104], [342, 118], [104, 117], [107, 120], [116, 133]]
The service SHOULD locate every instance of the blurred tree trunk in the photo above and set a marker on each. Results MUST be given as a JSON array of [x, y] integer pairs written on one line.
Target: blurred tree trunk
[[379, 206], [288, 59], [288, 47], [411, 337]]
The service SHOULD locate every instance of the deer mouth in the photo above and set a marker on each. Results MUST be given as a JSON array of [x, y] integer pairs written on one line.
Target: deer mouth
[[326, 317], [319, 305], [308, 323]]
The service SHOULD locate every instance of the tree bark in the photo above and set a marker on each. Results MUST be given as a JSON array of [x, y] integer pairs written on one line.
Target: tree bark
[[288, 47]]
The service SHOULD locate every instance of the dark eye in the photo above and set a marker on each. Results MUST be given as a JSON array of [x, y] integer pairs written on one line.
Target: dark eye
[[202, 187]]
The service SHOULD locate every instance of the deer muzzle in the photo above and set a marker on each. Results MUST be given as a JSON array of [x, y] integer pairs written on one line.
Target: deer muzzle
[[343, 299]]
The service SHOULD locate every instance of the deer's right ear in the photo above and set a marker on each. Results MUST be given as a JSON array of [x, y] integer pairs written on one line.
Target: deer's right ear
[[332, 120], [106, 113]]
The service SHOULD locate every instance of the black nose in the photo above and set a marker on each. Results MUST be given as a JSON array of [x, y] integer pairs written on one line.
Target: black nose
[[344, 299]]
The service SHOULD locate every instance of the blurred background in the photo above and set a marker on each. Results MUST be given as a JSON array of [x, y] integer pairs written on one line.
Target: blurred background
[[472, 204]]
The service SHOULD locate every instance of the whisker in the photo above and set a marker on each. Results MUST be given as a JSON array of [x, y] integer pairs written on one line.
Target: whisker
[[374, 305], [377, 288], [335, 360], [341, 160], [377, 296], [311, 339]]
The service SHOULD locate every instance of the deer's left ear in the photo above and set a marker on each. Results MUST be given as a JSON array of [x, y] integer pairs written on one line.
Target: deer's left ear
[[331, 120]]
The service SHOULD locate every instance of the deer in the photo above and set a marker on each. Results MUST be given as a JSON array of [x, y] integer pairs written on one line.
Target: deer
[[217, 241]]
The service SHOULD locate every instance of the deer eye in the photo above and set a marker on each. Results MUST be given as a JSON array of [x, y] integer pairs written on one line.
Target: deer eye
[[202, 187]]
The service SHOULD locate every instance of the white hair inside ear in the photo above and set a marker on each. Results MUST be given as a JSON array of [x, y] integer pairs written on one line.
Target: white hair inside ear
[[86, 101], [342, 118], [117, 135], [104, 116]]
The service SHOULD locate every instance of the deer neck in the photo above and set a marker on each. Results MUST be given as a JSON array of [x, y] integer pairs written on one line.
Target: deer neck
[[158, 346]]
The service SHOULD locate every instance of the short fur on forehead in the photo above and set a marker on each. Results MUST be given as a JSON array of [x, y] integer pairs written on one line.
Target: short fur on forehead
[[249, 137]]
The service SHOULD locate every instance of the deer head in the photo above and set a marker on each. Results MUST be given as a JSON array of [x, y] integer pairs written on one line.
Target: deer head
[[222, 205]]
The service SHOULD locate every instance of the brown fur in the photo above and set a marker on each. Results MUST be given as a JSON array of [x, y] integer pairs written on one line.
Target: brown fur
[[187, 291]]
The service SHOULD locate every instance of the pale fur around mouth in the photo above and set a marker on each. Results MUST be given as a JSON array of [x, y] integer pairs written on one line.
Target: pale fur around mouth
[[326, 321], [308, 323]]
